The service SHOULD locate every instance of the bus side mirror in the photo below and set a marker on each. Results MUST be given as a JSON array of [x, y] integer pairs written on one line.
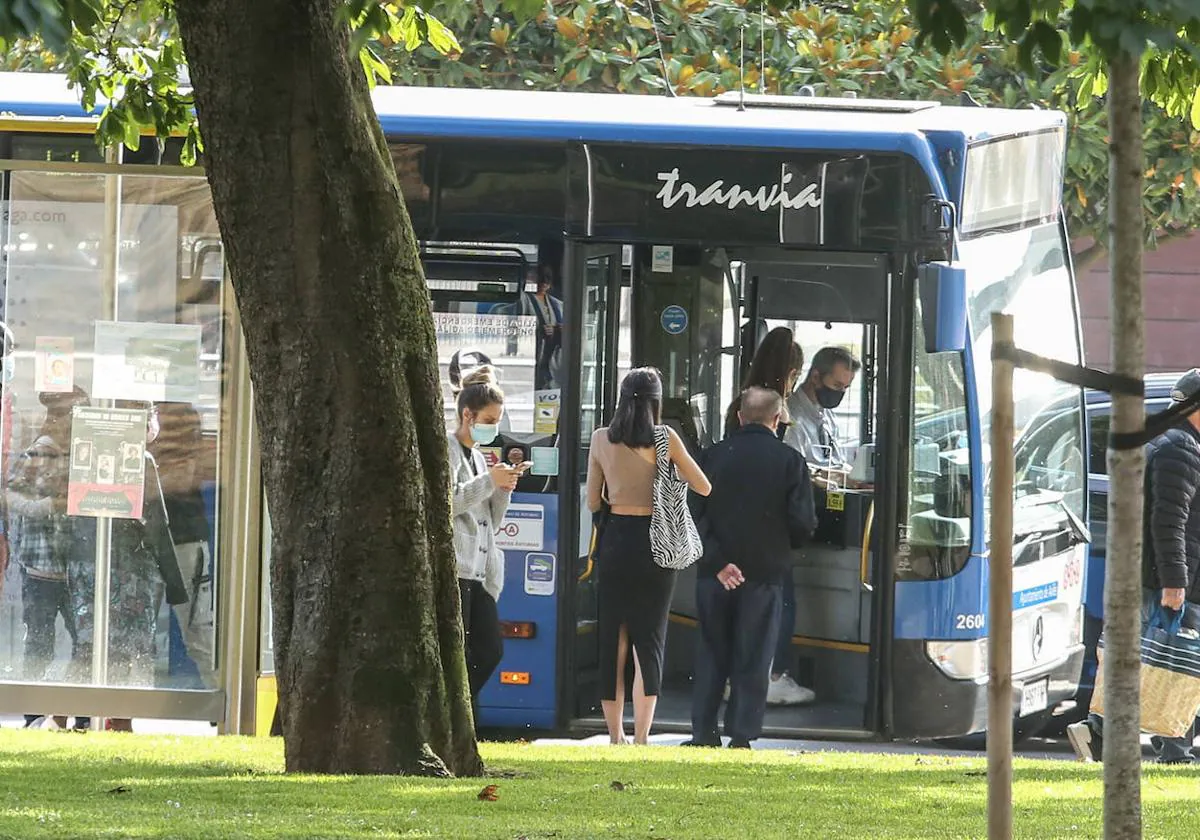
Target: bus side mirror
[[943, 290]]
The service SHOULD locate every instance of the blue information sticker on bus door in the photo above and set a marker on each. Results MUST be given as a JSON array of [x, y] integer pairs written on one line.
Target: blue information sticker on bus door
[[674, 320]]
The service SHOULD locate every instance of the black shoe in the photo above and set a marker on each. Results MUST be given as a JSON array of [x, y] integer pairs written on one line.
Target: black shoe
[[739, 745], [697, 743]]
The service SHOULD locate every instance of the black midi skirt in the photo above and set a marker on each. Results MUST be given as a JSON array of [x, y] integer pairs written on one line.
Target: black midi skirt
[[634, 591]]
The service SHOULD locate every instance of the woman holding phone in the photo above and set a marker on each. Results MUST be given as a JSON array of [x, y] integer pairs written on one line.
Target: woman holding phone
[[478, 504]]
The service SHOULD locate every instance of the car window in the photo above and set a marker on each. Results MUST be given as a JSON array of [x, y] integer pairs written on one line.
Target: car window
[[1100, 421], [1098, 442]]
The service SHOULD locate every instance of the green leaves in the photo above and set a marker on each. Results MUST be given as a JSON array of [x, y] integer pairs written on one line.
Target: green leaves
[[375, 26]]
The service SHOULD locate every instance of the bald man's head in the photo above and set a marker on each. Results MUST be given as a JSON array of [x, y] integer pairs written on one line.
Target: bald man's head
[[761, 406]]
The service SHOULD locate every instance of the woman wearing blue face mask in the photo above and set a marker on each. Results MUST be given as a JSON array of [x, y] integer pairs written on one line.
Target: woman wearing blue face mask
[[479, 502]]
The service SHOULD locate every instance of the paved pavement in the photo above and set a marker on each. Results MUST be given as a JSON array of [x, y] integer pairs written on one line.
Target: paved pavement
[[1044, 749], [1054, 750]]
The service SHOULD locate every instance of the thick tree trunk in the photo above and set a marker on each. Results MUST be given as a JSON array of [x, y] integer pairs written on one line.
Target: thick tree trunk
[[368, 639], [1123, 580]]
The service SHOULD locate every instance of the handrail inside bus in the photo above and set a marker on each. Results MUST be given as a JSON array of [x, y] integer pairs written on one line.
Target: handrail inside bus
[[865, 557]]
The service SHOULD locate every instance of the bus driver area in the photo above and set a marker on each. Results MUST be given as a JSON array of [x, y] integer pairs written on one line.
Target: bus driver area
[[567, 238]]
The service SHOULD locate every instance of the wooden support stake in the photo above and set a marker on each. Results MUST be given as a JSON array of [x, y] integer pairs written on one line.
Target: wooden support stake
[[999, 620]]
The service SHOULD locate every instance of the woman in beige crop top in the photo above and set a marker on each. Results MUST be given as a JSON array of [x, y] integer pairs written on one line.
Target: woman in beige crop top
[[633, 592]]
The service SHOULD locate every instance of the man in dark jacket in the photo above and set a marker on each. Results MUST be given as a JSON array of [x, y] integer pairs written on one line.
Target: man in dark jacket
[[761, 507], [1170, 550]]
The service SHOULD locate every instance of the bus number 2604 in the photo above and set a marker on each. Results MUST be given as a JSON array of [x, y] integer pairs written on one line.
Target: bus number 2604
[[968, 622]]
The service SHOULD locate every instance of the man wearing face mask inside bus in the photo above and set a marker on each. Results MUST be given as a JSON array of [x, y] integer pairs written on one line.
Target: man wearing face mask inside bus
[[814, 430]]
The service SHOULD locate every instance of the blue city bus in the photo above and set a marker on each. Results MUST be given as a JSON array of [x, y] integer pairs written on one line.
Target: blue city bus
[[675, 232]]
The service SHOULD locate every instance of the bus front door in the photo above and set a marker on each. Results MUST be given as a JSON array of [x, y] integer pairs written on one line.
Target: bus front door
[[592, 374], [833, 301]]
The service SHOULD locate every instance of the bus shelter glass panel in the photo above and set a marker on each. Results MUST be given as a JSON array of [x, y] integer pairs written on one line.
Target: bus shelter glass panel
[[112, 411]]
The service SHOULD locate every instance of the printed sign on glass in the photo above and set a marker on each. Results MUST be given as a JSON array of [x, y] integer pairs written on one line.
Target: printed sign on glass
[[523, 528], [501, 338], [54, 365], [545, 417], [107, 475], [147, 362], [674, 320]]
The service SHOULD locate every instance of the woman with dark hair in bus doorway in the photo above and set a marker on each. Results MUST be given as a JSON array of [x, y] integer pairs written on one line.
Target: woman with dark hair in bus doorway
[[479, 501], [634, 592], [777, 365]]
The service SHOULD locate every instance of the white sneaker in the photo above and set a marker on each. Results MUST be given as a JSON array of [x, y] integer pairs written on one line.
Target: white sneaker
[[1083, 742], [785, 691]]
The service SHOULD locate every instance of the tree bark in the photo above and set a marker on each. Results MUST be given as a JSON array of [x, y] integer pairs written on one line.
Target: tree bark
[[1123, 580], [340, 341]]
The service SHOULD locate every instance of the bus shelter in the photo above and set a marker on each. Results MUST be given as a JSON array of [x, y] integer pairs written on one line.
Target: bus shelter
[[131, 491]]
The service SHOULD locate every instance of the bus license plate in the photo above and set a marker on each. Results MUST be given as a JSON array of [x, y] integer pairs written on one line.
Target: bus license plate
[[1035, 696]]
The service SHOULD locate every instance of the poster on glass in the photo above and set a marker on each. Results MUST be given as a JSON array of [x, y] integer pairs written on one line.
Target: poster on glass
[[108, 462], [54, 365]]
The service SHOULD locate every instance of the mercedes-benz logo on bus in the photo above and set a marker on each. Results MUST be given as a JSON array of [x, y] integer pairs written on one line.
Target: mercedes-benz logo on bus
[[1039, 637]]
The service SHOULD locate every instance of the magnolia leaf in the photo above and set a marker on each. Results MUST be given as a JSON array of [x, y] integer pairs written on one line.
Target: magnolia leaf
[[441, 38]]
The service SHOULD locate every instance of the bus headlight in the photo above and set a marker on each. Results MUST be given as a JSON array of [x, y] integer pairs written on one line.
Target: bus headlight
[[960, 660], [1076, 637]]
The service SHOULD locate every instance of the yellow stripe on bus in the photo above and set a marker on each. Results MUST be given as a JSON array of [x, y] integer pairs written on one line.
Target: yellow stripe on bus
[[803, 641]]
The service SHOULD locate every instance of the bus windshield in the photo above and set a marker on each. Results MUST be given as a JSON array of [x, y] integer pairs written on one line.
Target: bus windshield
[[1025, 273]]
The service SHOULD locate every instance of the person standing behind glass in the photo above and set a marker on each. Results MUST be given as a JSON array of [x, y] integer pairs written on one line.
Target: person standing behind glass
[[633, 592], [37, 496], [141, 561], [814, 430], [479, 501], [549, 313], [176, 450]]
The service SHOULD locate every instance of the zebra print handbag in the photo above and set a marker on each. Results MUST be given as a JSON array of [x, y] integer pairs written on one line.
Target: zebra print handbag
[[674, 541]]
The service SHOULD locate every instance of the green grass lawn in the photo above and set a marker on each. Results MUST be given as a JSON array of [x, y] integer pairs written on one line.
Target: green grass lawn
[[58, 784]]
